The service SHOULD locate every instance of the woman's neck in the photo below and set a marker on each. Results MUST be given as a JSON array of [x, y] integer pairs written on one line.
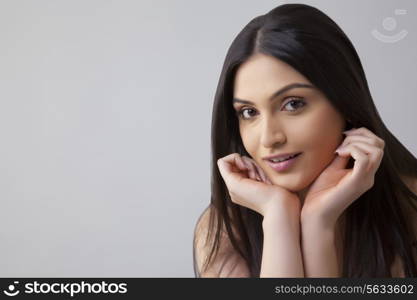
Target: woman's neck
[[302, 194]]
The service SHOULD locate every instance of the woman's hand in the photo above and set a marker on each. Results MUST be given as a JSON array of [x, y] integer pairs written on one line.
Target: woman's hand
[[249, 186], [336, 187]]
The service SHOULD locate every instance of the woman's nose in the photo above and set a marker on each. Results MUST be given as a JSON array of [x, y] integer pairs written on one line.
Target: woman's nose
[[272, 133]]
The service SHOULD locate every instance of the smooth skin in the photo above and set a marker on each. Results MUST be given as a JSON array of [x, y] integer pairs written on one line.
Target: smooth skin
[[301, 206], [281, 255]]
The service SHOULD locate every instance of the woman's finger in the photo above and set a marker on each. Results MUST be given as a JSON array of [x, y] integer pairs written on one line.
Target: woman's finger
[[228, 166], [361, 138], [374, 153], [339, 162], [250, 165], [263, 174], [363, 131], [248, 171], [359, 172], [260, 171], [240, 163]]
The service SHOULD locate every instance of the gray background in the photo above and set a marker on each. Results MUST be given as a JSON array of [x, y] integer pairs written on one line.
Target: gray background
[[105, 112]]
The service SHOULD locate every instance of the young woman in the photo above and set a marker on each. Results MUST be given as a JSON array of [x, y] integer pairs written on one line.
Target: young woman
[[306, 179]]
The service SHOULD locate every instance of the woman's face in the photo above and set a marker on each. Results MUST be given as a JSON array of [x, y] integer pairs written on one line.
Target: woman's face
[[297, 120]]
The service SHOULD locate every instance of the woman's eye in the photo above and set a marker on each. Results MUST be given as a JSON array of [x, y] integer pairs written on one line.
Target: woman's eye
[[294, 104], [245, 113]]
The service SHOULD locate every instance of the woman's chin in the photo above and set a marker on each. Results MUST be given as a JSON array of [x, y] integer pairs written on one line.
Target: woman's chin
[[291, 185]]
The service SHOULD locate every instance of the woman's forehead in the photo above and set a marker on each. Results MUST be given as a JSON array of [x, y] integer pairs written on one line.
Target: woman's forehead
[[264, 73]]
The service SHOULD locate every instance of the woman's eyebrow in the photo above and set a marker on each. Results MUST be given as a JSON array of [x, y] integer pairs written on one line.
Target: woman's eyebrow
[[279, 92]]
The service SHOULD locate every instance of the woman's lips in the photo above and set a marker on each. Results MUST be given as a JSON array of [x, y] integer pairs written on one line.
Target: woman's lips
[[283, 165]]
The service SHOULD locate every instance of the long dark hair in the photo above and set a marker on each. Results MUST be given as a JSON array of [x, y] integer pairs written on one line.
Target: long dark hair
[[377, 227]]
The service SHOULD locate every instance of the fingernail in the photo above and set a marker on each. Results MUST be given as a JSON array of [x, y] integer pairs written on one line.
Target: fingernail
[[348, 131], [340, 148]]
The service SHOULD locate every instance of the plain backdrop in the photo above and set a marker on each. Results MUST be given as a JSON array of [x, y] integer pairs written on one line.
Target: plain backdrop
[[105, 114]]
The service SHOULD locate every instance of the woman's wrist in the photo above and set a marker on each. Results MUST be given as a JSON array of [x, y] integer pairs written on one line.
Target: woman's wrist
[[282, 213], [318, 221]]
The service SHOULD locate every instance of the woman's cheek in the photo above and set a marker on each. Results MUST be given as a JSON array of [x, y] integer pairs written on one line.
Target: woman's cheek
[[323, 131], [249, 141]]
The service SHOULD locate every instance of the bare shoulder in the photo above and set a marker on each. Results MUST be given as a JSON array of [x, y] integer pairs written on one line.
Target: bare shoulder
[[227, 263], [411, 183], [397, 268]]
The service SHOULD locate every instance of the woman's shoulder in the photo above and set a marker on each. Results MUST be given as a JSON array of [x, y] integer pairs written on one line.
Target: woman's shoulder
[[203, 225], [410, 182], [227, 263], [202, 221]]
